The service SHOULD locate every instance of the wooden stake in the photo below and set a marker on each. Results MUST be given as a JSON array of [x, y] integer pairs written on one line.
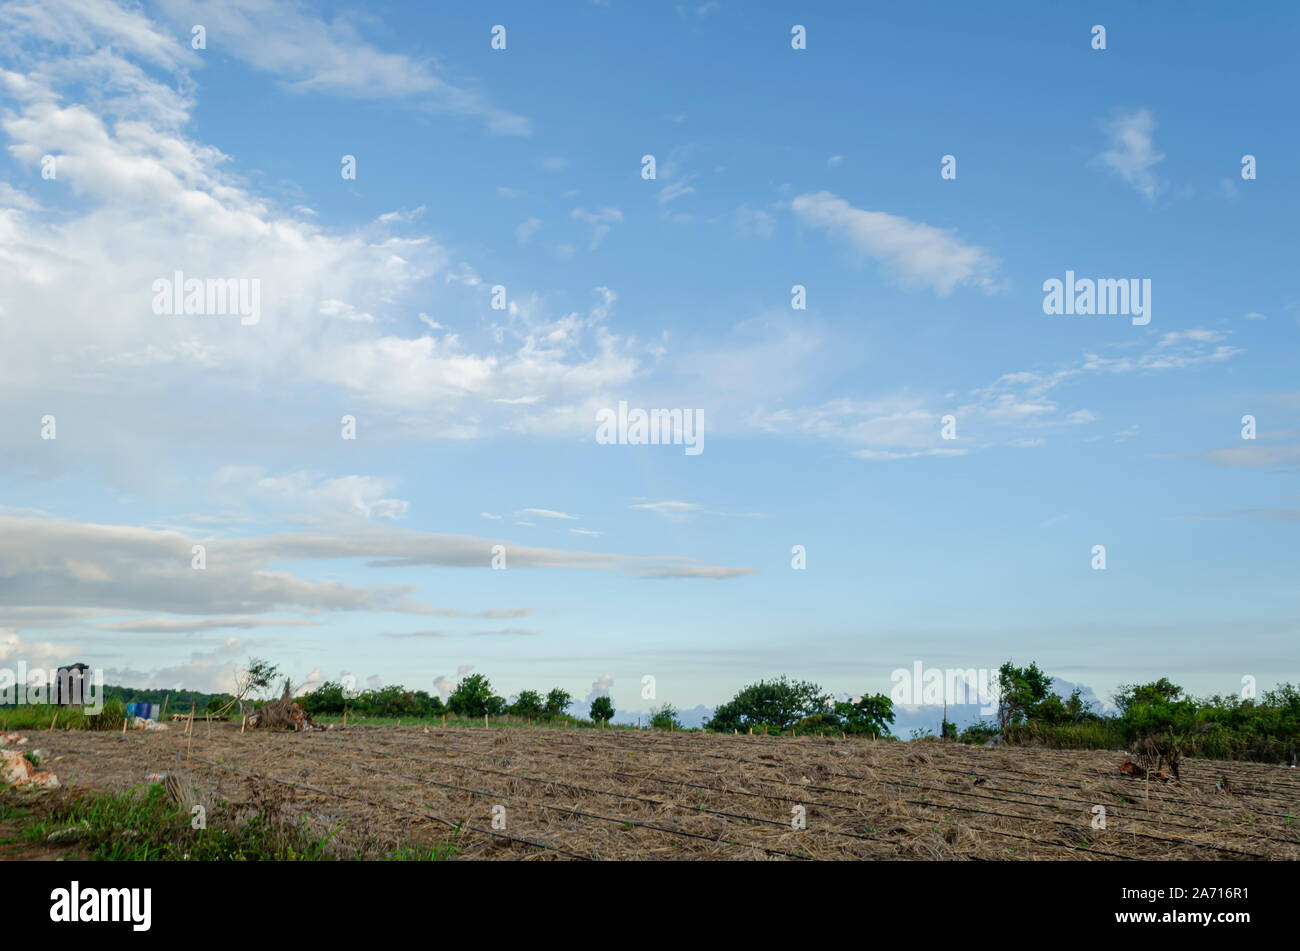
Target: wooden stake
[[444, 720], [123, 724], [162, 716], [242, 724], [54, 719], [485, 726], [189, 725], [345, 716]]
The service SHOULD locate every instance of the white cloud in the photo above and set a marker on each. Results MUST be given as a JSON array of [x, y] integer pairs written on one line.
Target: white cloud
[[526, 229], [309, 493], [916, 253], [42, 654], [70, 569], [600, 222], [212, 671], [546, 513], [189, 625], [668, 508], [676, 190], [755, 222], [599, 688], [311, 54], [1132, 154]]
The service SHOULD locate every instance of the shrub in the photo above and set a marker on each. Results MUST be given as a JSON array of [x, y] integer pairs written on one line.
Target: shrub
[[665, 718], [775, 704]]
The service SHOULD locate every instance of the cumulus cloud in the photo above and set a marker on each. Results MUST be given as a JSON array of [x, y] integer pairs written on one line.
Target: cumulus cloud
[[599, 688], [211, 671], [42, 654]]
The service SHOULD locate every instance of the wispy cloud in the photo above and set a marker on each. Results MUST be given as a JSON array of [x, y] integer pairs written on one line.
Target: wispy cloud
[[310, 54], [1132, 154], [915, 253], [601, 221], [547, 513]]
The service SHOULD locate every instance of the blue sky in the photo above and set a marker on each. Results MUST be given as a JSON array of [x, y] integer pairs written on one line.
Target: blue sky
[[522, 168]]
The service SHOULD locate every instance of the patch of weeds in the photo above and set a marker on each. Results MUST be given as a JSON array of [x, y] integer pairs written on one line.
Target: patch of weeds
[[148, 826]]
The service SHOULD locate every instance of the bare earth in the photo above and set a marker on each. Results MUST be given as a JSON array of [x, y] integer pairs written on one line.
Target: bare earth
[[624, 795]]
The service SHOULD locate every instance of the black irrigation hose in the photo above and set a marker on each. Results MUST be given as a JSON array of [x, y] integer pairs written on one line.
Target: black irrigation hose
[[676, 750], [370, 802], [1204, 772], [543, 806], [1050, 821], [1013, 835], [1181, 815], [627, 796]]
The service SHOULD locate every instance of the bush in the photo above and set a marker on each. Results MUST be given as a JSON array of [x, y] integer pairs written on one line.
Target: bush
[[665, 718], [528, 704], [776, 704], [473, 697]]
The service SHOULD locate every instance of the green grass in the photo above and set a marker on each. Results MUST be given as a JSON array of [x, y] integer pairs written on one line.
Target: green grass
[[1216, 743], [147, 825], [39, 716]]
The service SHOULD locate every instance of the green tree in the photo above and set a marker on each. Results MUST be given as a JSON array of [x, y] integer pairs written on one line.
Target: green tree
[[258, 676], [327, 698], [602, 708], [528, 704], [773, 703], [871, 715], [557, 702], [1161, 691], [1021, 690], [473, 697]]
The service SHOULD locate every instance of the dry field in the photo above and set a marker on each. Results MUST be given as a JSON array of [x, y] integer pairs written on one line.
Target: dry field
[[619, 794]]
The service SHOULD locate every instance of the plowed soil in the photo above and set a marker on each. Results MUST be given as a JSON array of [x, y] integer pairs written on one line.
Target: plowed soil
[[619, 794]]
